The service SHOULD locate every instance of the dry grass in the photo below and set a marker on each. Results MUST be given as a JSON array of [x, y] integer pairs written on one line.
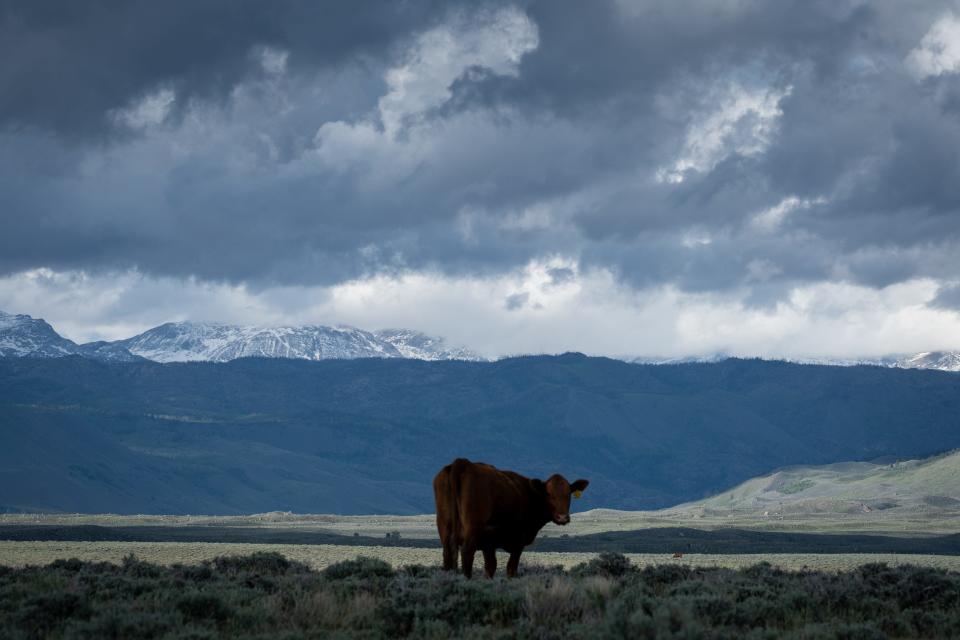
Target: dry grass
[[909, 522], [926, 522], [14, 553]]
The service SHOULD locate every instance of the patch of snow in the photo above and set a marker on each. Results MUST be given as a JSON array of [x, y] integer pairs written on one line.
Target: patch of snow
[[188, 341]]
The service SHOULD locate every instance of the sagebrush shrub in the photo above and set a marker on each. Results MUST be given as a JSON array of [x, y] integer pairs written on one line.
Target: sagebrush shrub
[[267, 596], [43, 612], [71, 565], [362, 567], [554, 603], [136, 568], [607, 563], [263, 562], [203, 606]]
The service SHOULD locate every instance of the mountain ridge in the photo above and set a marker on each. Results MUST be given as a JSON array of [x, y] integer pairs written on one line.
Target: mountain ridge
[[22, 335], [367, 435]]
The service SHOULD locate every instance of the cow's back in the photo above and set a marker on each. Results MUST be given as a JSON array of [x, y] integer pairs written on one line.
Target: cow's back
[[489, 499]]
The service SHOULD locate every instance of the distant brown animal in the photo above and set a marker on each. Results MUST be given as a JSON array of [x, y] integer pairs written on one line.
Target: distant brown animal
[[482, 507], [678, 554]]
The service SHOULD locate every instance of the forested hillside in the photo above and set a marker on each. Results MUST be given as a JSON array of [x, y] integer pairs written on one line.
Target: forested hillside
[[366, 436]]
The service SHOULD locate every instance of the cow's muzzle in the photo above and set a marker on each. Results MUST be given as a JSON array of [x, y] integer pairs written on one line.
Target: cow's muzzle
[[562, 519]]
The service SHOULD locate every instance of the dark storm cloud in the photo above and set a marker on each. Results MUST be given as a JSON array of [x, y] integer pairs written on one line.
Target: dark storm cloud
[[68, 64], [516, 301], [613, 55], [948, 297], [561, 275], [709, 145]]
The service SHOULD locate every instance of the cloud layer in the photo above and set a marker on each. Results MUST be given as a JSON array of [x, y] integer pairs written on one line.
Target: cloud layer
[[655, 155]]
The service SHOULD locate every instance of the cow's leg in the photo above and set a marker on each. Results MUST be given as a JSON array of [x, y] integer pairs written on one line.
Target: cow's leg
[[449, 552], [490, 562], [467, 551], [513, 563]]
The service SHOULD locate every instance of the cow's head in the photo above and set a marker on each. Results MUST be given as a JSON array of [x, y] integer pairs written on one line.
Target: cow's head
[[559, 492]]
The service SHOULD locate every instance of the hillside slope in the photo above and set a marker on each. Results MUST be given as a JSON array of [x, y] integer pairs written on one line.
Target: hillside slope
[[24, 337], [930, 486], [367, 436]]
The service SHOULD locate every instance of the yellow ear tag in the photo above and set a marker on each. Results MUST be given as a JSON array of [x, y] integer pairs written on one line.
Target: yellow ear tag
[[577, 494]]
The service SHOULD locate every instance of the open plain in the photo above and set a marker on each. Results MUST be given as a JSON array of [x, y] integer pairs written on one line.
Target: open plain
[[722, 539], [18, 554], [825, 517]]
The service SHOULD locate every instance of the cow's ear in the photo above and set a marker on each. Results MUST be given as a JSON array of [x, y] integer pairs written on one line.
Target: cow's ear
[[579, 486]]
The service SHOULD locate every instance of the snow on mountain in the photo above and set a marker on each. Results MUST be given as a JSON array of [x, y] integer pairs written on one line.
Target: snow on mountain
[[417, 345], [883, 361], [21, 336], [717, 357], [939, 360], [189, 341], [24, 337], [942, 360], [107, 352]]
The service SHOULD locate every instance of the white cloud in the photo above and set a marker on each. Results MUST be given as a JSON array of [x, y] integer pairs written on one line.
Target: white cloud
[[823, 320], [274, 61], [733, 119], [532, 218], [693, 238], [494, 40], [760, 270], [150, 110], [939, 50], [588, 311], [770, 219]]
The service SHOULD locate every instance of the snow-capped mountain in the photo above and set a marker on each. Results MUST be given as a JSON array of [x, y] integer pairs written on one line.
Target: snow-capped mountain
[[939, 360], [716, 357], [942, 360], [420, 346], [24, 337], [106, 352], [190, 341]]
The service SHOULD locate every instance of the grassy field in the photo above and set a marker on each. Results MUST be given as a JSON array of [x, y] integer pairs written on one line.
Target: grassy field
[[265, 595], [905, 495], [782, 555], [81, 588], [902, 512], [18, 554], [919, 521], [904, 498]]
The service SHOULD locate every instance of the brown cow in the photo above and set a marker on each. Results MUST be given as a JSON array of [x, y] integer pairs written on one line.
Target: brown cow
[[482, 507]]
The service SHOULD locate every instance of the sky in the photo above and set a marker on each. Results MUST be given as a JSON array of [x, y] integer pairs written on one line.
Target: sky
[[657, 178]]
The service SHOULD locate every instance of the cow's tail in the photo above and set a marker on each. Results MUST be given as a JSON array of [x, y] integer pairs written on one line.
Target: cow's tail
[[446, 490], [455, 523], [456, 472]]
